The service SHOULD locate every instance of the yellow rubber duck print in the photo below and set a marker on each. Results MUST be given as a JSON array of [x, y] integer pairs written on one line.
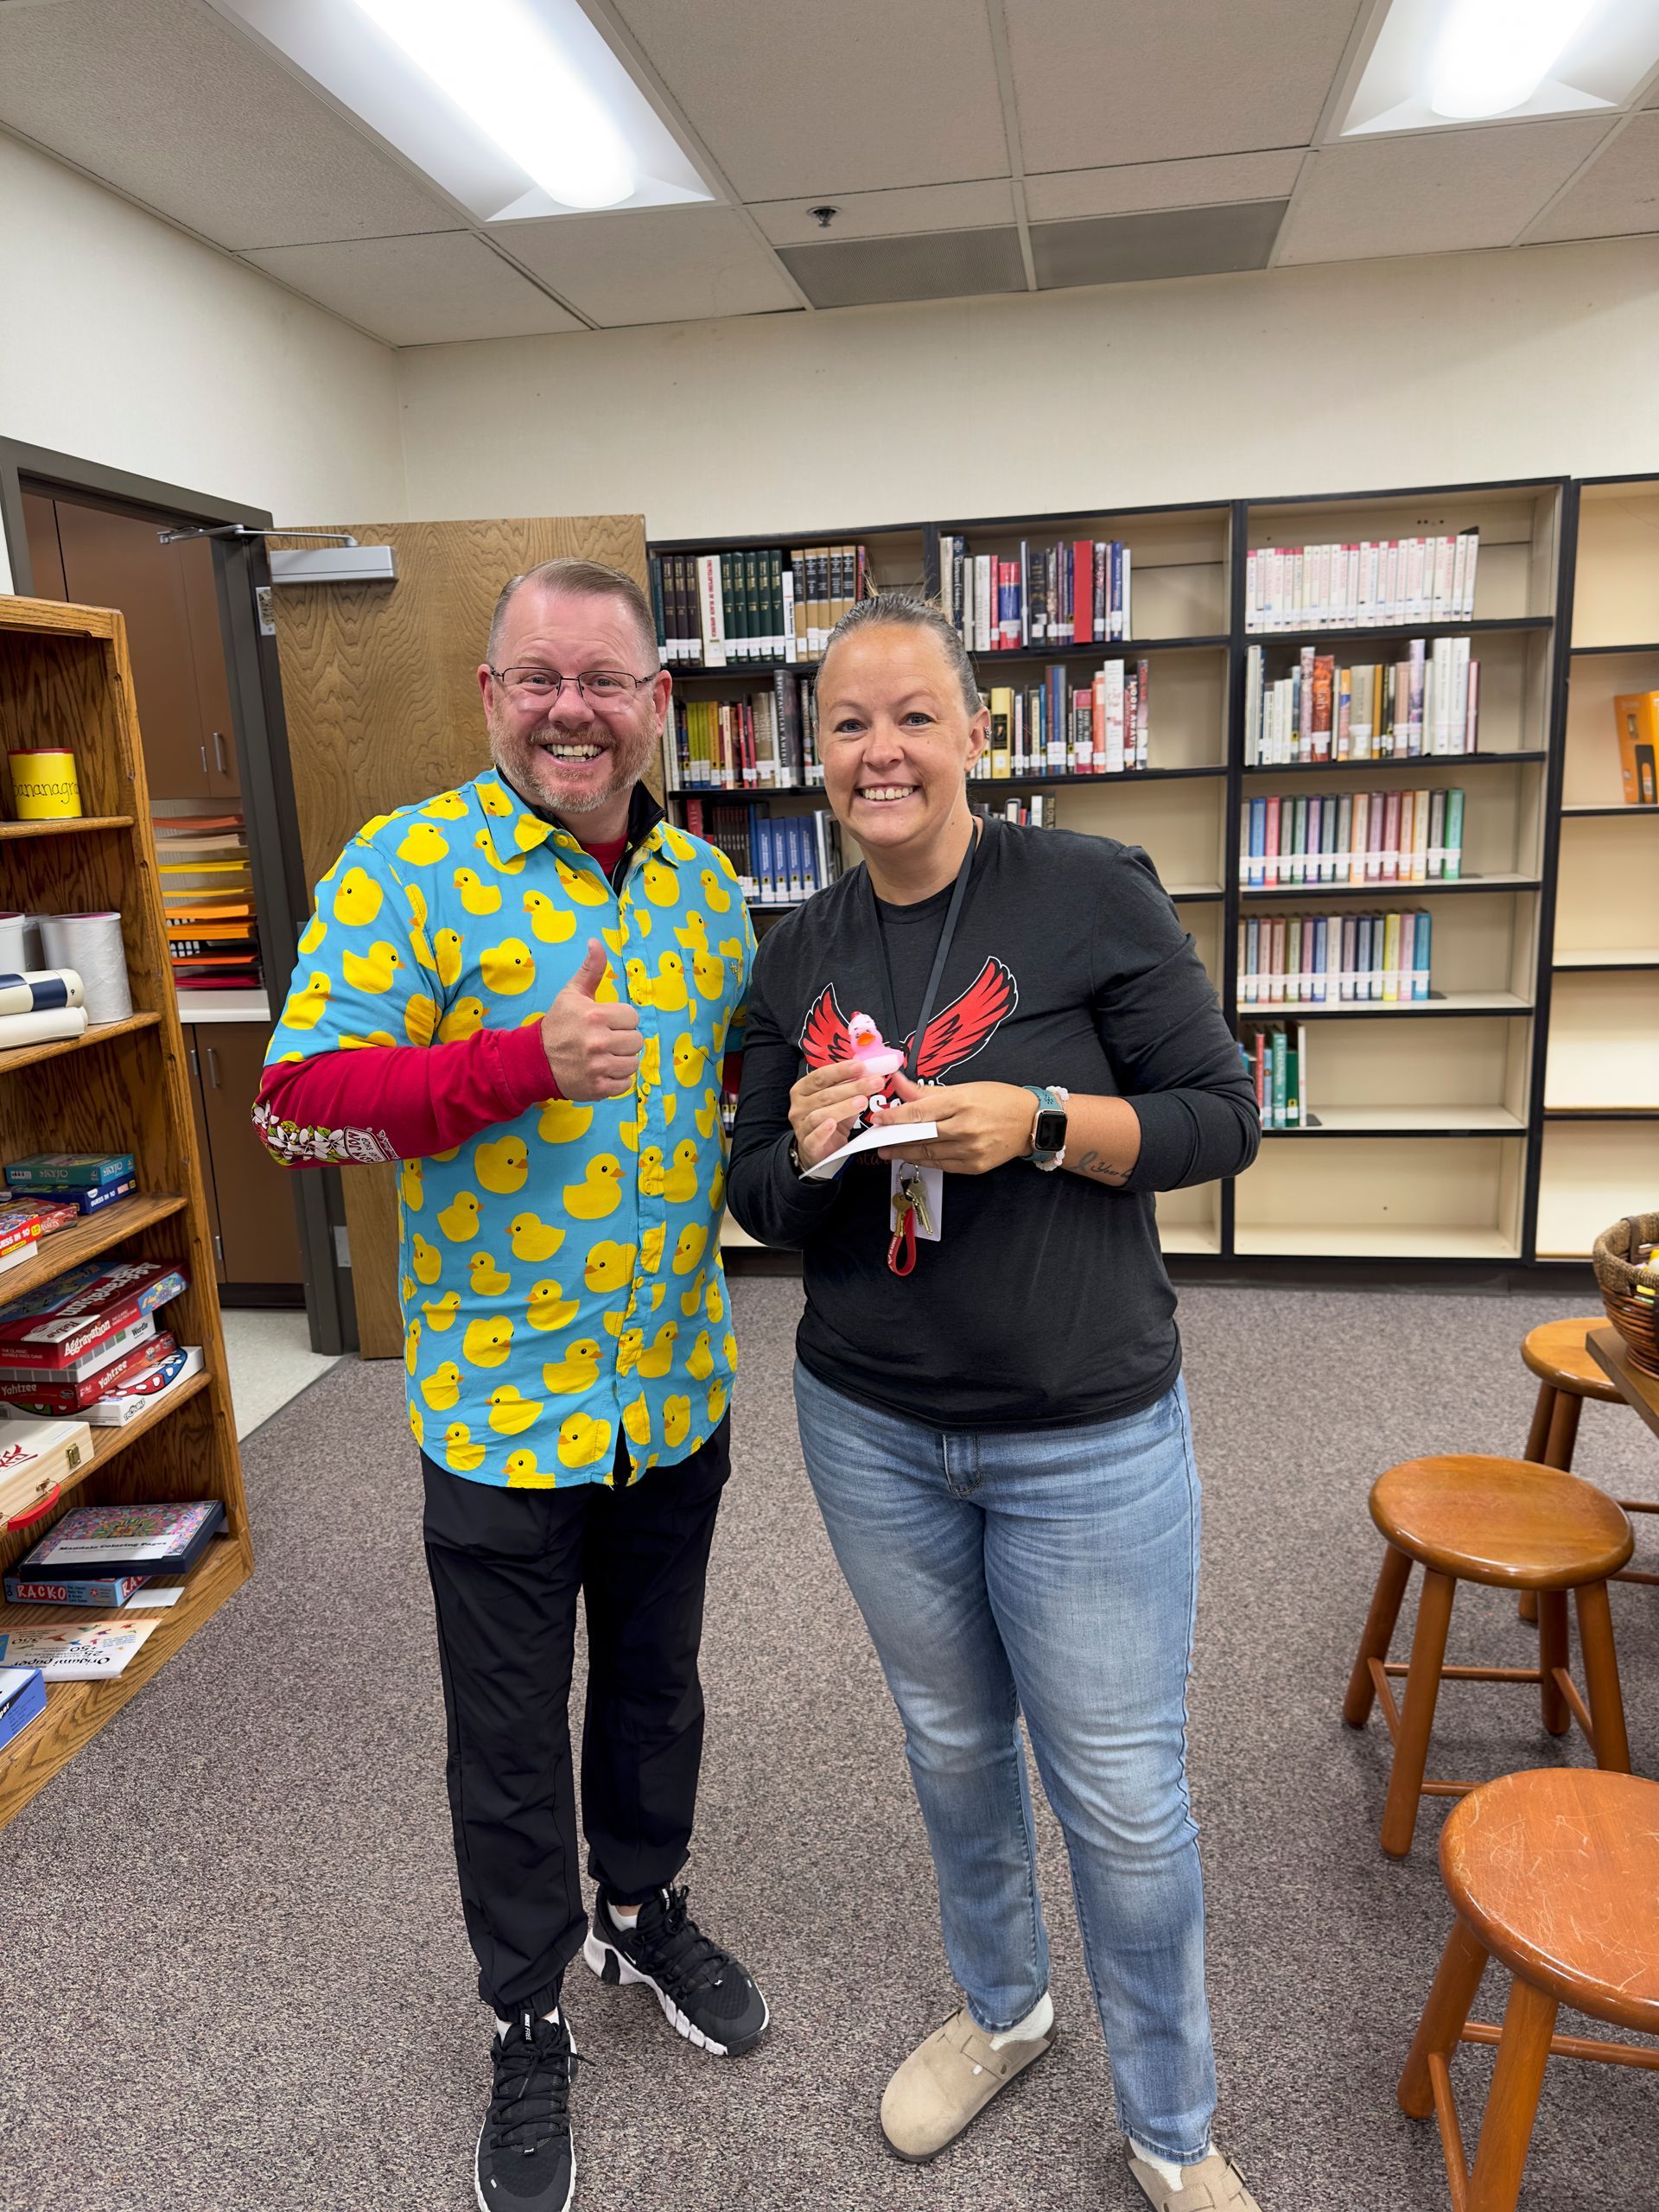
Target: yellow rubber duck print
[[522, 1473], [710, 974], [599, 1193], [494, 800], [671, 1102], [586, 888], [502, 1167], [583, 1442], [659, 1292], [694, 935], [714, 1306], [410, 1188], [668, 992], [651, 1172], [615, 939], [688, 1060], [629, 1131], [511, 1414], [412, 1346], [462, 1454], [548, 1307], [639, 981], [676, 842], [731, 948], [357, 898], [716, 1403], [464, 1018], [446, 951], [680, 1183], [717, 1190], [636, 1420], [424, 846], [609, 1266], [485, 850], [690, 1299], [562, 1122], [488, 1341], [440, 1313], [488, 1280], [649, 1073], [316, 929], [676, 1420], [420, 1019], [417, 1423], [658, 1356], [426, 1260], [700, 1363], [448, 806], [532, 1237], [630, 1343], [708, 1113], [477, 896], [650, 1246], [406, 1290], [348, 1043], [507, 968], [661, 885], [376, 972], [441, 1388], [689, 1249], [458, 1220], [548, 923], [728, 1348], [305, 1006], [577, 1371], [714, 891], [642, 920]]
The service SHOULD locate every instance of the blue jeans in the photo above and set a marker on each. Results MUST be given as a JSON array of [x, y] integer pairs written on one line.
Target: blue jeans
[[1054, 1573]]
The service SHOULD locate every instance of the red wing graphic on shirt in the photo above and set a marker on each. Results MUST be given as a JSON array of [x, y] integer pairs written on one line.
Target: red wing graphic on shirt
[[954, 1034]]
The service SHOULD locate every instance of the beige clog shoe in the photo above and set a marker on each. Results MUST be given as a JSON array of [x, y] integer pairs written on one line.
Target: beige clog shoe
[[948, 2080], [1215, 2184]]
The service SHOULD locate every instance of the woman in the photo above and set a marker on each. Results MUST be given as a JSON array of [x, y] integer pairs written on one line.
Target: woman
[[988, 1384]]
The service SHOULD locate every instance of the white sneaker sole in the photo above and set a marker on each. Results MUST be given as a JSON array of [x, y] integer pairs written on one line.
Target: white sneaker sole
[[608, 1963]]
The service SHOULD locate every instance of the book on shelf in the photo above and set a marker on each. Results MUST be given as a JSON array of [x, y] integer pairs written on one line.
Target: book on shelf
[[1424, 704], [22, 1699], [66, 1170], [1060, 727], [1042, 599], [44, 1028], [1334, 959], [780, 859], [1039, 811], [90, 1307], [89, 1651], [108, 1591], [40, 990], [1276, 1055], [37, 1457], [764, 740], [1377, 583], [1636, 713], [750, 604], [1350, 837], [167, 1537]]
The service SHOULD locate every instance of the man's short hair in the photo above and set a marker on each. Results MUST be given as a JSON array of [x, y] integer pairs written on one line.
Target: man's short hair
[[586, 579]]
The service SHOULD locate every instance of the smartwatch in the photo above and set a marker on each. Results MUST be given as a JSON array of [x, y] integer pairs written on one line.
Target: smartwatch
[[1048, 1136]]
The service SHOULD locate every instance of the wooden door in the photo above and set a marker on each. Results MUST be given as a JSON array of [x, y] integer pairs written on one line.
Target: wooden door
[[259, 1236], [380, 695], [195, 559], [192, 1031]]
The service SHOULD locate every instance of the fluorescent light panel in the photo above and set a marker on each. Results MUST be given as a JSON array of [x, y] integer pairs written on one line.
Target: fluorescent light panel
[[1444, 64], [517, 109]]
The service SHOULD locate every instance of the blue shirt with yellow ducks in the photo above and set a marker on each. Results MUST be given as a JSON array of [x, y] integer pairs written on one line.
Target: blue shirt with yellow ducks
[[560, 1273]]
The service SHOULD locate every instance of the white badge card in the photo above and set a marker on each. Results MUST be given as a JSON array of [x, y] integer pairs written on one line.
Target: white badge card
[[931, 1182]]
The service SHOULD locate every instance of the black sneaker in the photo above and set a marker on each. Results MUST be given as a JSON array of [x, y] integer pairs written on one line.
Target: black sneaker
[[525, 2162], [704, 1993]]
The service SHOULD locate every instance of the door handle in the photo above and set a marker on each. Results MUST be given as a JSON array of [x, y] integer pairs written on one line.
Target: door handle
[[203, 751], [195, 1064], [213, 1067], [218, 753]]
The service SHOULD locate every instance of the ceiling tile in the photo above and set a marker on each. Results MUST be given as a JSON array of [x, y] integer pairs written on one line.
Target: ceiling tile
[[890, 214], [844, 96], [163, 100], [417, 291], [1062, 194], [1617, 193], [1168, 242], [1119, 81], [656, 264], [1433, 191], [943, 265]]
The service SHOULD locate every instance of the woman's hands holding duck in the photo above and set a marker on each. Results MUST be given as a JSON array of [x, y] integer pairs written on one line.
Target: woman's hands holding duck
[[980, 1124]]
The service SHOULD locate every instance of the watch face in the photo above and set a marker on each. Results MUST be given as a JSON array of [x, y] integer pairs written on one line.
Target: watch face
[[1051, 1130]]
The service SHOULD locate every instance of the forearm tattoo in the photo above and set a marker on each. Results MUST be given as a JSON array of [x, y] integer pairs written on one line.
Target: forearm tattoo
[[1098, 1165]]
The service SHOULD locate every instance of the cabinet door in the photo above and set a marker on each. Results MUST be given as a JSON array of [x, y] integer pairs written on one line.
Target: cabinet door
[[193, 1036], [195, 559], [258, 1234], [111, 560]]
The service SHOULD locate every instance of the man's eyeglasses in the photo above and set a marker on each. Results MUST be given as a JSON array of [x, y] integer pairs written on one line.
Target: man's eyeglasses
[[540, 687]]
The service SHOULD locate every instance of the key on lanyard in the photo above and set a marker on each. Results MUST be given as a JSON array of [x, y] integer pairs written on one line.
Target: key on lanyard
[[914, 1184], [901, 1252]]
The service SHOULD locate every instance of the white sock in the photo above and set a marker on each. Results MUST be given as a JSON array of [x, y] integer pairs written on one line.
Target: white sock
[[1162, 2167], [501, 2025], [1037, 2022], [624, 1916]]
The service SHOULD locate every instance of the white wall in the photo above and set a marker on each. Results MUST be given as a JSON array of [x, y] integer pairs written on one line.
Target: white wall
[[1448, 369], [122, 341]]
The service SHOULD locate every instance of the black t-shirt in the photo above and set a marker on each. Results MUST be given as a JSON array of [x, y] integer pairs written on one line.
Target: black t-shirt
[[1045, 1301]]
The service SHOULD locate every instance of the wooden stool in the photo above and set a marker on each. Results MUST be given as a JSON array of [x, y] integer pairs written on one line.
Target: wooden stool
[[1558, 1355], [1504, 1522], [1556, 1875]]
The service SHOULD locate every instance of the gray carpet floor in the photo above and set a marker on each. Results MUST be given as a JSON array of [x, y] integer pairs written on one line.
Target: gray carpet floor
[[235, 1978]]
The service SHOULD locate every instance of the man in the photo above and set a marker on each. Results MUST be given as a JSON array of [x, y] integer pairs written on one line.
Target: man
[[525, 990]]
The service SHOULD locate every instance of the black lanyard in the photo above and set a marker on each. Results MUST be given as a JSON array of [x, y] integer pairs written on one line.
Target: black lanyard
[[953, 914]]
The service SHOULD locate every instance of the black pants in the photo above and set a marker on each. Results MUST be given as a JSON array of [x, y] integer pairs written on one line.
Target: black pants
[[505, 1566]]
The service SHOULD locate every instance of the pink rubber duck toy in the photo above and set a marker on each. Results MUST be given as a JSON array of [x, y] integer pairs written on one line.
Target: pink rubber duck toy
[[868, 1048]]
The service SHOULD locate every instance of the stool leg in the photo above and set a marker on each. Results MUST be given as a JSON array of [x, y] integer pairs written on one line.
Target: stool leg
[[1512, 2102], [1462, 1964], [1601, 1677], [1538, 1434], [1563, 1431], [1552, 1653], [1378, 1633], [1417, 1719]]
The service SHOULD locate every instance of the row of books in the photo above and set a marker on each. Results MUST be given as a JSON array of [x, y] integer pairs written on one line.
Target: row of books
[[715, 610], [1426, 703], [1636, 716], [1039, 811], [780, 859], [213, 935], [1351, 838], [763, 740], [49, 1192], [39, 1005], [1375, 584], [1330, 959], [1047, 597], [1060, 727], [1276, 1056]]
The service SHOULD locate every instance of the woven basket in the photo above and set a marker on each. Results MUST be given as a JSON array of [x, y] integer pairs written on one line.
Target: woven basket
[[1616, 1276]]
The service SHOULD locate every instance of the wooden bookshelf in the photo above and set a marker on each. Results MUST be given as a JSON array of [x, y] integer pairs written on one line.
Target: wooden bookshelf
[[65, 677]]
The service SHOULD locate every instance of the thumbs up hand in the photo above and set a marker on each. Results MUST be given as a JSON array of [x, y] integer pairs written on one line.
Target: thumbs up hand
[[592, 1050]]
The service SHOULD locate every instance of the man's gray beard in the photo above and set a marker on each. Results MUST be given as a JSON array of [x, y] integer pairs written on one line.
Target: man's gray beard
[[499, 746]]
